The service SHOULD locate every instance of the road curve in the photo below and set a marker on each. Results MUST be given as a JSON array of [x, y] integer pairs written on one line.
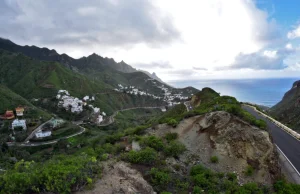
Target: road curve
[[288, 144], [111, 120]]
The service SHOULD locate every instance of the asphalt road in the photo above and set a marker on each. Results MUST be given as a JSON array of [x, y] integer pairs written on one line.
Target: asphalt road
[[188, 106], [287, 143]]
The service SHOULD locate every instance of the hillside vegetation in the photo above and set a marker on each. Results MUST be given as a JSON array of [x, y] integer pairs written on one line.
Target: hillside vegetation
[[287, 110], [10, 100]]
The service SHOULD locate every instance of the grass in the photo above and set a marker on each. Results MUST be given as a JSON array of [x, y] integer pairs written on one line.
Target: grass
[[214, 159]]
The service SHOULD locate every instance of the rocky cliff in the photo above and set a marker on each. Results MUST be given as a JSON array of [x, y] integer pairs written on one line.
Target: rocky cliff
[[237, 145]]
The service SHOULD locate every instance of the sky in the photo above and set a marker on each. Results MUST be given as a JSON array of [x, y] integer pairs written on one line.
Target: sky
[[179, 40]]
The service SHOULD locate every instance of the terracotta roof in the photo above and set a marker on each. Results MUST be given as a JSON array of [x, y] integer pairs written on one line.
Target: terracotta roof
[[19, 109]]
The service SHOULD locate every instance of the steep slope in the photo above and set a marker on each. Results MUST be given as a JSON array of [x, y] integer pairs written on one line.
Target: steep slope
[[105, 71], [31, 78], [10, 100], [288, 109]]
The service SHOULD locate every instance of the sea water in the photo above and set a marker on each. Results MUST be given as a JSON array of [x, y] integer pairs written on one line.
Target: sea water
[[265, 92]]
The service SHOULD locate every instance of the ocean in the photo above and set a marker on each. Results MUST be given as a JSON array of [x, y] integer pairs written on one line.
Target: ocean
[[267, 92]]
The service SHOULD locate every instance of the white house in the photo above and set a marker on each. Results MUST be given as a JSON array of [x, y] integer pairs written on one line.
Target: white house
[[19, 123], [103, 113], [41, 134], [99, 119], [86, 98], [96, 110]]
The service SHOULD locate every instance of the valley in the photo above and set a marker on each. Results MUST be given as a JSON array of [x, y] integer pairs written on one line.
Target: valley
[[92, 125]]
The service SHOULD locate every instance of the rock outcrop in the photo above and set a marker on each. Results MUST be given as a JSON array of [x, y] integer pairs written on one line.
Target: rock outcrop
[[120, 178], [237, 145]]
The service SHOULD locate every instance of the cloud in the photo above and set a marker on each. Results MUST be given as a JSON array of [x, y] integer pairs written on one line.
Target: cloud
[[157, 64], [295, 33], [263, 60], [200, 68], [86, 23]]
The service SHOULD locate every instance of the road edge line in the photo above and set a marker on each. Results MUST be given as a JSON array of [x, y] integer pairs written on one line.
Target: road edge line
[[255, 109], [288, 160]]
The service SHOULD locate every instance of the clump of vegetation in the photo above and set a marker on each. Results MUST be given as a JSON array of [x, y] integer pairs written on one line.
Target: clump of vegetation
[[153, 142], [147, 156], [174, 149], [214, 159], [171, 136], [231, 105], [159, 177], [58, 175], [172, 122], [249, 170], [174, 115]]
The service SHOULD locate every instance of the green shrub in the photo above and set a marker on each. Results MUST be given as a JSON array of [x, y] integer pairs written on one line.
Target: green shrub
[[57, 175], [172, 122], [159, 177], [250, 188], [197, 169], [197, 190], [153, 142], [282, 187], [171, 136], [214, 159], [174, 149], [146, 156], [249, 170]]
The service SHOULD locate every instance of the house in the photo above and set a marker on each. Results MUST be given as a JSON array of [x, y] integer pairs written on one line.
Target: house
[[9, 114], [41, 134], [99, 119], [19, 111], [86, 98], [56, 122], [19, 123]]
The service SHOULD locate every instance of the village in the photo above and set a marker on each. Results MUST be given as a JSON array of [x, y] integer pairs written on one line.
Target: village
[[166, 95], [21, 127]]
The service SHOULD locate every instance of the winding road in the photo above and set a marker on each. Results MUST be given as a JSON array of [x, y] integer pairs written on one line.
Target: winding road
[[288, 144], [111, 120]]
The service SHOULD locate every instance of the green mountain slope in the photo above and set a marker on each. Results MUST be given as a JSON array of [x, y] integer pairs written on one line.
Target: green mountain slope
[[10, 100], [288, 109], [31, 78], [104, 70]]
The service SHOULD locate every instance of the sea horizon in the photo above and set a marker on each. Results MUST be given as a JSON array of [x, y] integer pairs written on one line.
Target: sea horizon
[[262, 91]]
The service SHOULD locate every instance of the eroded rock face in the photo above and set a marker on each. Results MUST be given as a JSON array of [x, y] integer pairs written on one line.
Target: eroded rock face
[[120, 178], [235, 138], [236, 144]]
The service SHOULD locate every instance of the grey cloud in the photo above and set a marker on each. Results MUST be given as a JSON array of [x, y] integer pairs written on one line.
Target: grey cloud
[[88, 22], [259, 61], [161, 65]]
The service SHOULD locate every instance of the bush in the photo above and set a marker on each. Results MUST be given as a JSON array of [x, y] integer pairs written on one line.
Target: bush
[[58, 175], [171, 136], [153, 142], [197, 190], [250, 188], [159, 177], [174, 149], [282, 187], [172, 122], [197, 169], [249, 170], [146, 156], [214, 159]]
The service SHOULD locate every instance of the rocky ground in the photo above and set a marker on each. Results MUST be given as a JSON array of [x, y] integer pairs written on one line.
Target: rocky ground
[[236, 144], [120, 178]]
